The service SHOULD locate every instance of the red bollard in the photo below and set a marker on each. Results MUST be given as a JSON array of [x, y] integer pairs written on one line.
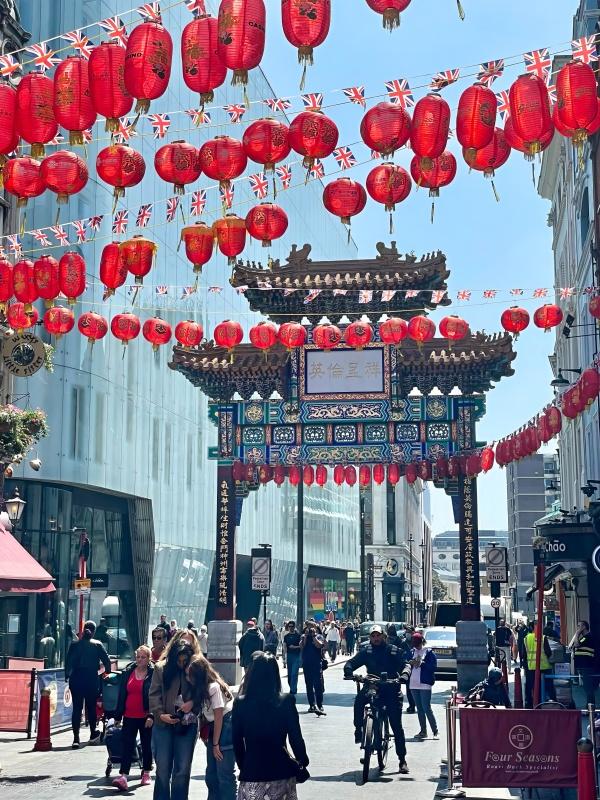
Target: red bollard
[[586, 777], [504, 674], [518, 702], [43, 742]]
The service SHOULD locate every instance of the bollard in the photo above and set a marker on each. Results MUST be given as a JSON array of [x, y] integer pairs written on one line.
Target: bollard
[[586, 778], [43, 742], [518, 701], [504, 674]]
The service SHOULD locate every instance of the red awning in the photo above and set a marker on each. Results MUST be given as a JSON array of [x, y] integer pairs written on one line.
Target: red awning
[[19, 571]]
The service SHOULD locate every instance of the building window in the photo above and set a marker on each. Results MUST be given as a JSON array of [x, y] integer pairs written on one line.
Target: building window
[[155, 448], [99, 432], [167, 470], [584, 215], [78, 423], [442, 556], [456, 556]]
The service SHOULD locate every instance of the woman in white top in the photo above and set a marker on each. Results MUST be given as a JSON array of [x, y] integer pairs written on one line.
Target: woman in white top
[[217, 703]]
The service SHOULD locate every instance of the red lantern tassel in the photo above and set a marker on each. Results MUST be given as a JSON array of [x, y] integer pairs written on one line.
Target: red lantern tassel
[[461, 11], [495, 192], [391, 19], [432, 211]]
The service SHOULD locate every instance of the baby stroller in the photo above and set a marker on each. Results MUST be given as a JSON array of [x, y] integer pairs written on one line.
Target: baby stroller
[[112, 733], [108, 696], [113, 739]]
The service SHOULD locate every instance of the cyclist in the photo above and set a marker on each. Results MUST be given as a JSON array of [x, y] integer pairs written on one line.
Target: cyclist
[[378, 657]]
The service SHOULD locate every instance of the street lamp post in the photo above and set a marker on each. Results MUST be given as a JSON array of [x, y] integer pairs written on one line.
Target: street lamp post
[[265, 591], [410, 573], [14, 508], [363, 558]]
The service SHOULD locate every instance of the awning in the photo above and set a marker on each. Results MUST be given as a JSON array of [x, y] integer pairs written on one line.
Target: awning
[[19, 571], [550, 574]]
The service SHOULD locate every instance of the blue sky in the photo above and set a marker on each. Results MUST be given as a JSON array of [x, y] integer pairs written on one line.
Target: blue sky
[[488, 244]]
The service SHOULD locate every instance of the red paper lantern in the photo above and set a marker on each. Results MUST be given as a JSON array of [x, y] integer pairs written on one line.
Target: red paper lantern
[[393, 330], [238, 471], [19, 318], [263, 336], [106, 69], [364, 475], [120, 166], [25, 289], [178, 163], [125, 327], [148, 58], [378, 474], [64, 173], [518, 143], [266, 222], [424, 470], [23, 179], [59, 321], [241, 36], [454, 467], [577, 109], [9, 136], [294, 475], [388, 184], [71, 275], [548, 316], [476, 118], [138, 256], [35, 119], [339, 474], [228, 334], [326, 337], [93, 326], [491, 157], [230, 234], [411, 473], [265, 473], [266, 141], [566, 406], [345, 198], [308, 475], [430, 129], [279, 475], [321, 475], [157, 332], [250, 473], [393, 474], [590, 385], [313, 135], [385, 128], [350, 475], [199, 243], [441, 467], [514, 320], [390, 11], [113, 270], [454, 328], [530, 113], [73, 107], [223, 159], [305, 25], [543, 428], [434, 173], [594, 307], [6, 282], [487, 458], [473, 465], [358, 334], [292, 335], [576, 398], [46, 277], [203, 68], [189, 333], [421, 329]]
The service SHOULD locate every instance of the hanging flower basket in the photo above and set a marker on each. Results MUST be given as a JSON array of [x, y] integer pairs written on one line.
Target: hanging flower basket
[[19, 431]]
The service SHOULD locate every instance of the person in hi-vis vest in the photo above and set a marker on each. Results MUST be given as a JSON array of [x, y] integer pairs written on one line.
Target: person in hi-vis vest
[[545, 667]]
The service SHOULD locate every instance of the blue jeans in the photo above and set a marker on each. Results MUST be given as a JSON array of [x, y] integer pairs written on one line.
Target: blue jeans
[[173, 753], [293, 668], [220, 775], [423, 703]]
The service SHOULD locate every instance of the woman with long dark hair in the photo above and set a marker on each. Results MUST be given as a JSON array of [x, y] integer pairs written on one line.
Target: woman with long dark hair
[[264, 720], [216, 702], [175, 712], [312, 648]]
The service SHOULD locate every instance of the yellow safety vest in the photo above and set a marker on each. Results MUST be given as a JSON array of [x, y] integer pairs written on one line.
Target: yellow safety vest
[[531, 649]]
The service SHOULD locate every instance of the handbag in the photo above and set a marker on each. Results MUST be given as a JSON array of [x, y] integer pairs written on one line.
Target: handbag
[[302, 774], [324, 664]]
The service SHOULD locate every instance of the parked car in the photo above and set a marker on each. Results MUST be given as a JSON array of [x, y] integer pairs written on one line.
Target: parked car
[[442, 640]]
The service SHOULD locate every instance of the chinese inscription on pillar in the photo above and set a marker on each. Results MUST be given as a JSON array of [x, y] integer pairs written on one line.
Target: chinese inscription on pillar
[[469, 550], [225, 551]]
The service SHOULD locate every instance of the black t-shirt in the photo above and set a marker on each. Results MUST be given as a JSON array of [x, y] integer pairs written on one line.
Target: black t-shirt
[[292, 639]]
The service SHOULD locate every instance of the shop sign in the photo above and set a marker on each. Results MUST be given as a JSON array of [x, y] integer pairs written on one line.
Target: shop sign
[[61, 702], [469, 550], [23, 354], [225, 544], [572, 544], [82, 587]]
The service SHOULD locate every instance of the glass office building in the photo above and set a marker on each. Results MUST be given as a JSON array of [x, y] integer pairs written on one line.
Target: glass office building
[[123, 425]]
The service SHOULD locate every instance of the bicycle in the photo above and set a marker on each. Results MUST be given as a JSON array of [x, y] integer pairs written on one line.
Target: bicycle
[[376, 727]]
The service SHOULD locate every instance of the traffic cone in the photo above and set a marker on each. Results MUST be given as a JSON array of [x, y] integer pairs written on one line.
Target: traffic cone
[[43, 742], [586, 779], [518, 702]]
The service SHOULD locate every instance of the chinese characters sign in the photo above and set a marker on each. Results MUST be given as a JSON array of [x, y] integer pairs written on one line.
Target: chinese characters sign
[[345, 372], [469, 550], [225, 552]]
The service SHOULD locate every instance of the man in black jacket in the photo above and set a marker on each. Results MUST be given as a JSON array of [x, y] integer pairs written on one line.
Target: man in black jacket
[[379, 657], [251, 642], [81, 669]]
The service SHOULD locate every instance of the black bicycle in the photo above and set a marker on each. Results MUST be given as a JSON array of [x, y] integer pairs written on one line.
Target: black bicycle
[[376, 736]]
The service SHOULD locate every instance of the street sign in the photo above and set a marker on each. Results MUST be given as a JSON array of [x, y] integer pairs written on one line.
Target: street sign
[[564, 543], [495, 602], [496, 564], [82, 586], [261, 570], [392, 567]]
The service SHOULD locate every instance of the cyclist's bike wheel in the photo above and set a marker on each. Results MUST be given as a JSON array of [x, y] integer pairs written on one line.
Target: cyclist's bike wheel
[[384, 743], [368, 747]]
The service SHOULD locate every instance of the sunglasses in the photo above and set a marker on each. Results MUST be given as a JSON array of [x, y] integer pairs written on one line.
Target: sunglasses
[[160, 638]]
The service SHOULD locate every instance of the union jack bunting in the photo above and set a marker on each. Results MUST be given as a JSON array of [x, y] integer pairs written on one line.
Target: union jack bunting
[[81, 43], [95, 222], [172, 206], [490, 71], [41, 236], [278, 103], [552, 94], [259, 185], [236, 111], [44, 57], [160, 124], [58, 139], [312, 102], [539, 63], [198, 202], [356, 95], [411, 293], [312, 295], [15, 245], [115, 29], [286, 292], [132, 289], [317, 170], [125, 131], [284, 173], [150, 12], [446, 78], [196, 7], [365, 295], [241, 289], [264, 285], [489, 294], [120, 222], [516, 292], [463, 294], [87, 135], [344, 157], [438, 295], [503, 104], [2, 251], [226, 193], [540, 293], [584, 49], [8, 65], [188, 291], [60, 234], [144, 215], [399, 93], [375, 154], [80, 230], [215, 289], [161, 290], [198, 116], [336, 292], [589, 290], [387, 295], [566, 292]]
